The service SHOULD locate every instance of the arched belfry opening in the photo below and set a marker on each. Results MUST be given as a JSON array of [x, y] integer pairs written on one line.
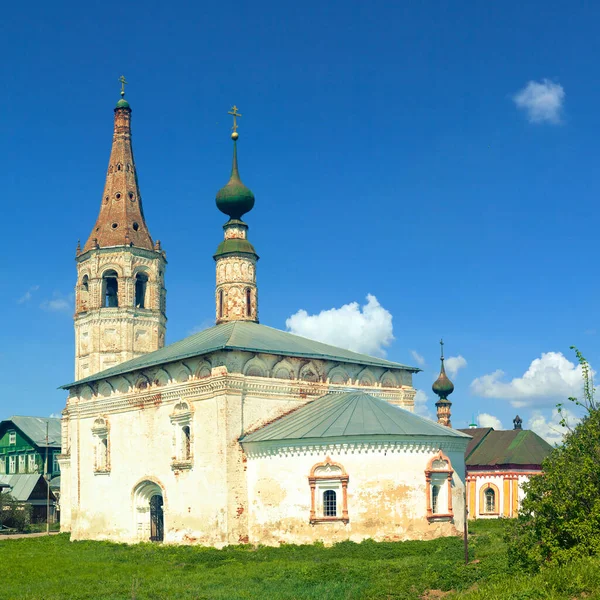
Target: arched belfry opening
[[148, 509], [141, 284], [110, 289]]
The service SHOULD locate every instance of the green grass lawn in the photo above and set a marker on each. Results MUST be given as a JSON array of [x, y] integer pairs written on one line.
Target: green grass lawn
[[54, 568]]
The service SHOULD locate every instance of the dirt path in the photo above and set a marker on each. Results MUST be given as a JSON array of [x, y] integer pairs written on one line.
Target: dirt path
[[16, 536]]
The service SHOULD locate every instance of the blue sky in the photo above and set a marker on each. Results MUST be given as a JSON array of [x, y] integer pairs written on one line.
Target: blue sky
[[387, 153]]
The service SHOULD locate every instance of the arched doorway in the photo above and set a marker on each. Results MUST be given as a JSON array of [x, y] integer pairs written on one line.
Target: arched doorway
[[156, 519], [148, 512]]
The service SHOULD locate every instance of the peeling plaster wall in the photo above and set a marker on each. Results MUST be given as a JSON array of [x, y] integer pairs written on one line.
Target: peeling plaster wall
[[386, 497], [205, 500]]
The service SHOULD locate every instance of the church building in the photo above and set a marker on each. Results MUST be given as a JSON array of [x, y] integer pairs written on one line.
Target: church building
[[240, 433]]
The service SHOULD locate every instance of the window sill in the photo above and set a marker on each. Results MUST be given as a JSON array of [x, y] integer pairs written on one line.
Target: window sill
[[181, 465], [101, 471], [489, 514], [329, 520], [440, 517]]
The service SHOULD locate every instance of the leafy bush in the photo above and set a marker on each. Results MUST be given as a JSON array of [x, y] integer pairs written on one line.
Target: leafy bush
[[14, 514], [560, 515]]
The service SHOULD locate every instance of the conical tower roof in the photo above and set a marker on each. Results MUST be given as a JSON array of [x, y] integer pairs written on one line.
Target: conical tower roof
[[121, 220]]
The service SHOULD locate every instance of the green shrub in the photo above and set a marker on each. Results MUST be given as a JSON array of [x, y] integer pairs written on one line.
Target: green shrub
[[14, 514]]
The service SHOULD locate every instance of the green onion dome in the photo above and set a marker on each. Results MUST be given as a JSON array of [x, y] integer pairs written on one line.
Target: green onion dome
[[442, 386], [235, 199], [122, 103]]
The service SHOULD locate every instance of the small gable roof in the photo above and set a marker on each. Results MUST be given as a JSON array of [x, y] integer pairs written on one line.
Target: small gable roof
[[22, 486], [35, 429], [518, 447], [247, 336], [350, 415]]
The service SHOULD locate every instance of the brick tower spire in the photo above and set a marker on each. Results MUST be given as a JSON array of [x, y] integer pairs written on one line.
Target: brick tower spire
[[120, 298], [121, 220], [236, 293]]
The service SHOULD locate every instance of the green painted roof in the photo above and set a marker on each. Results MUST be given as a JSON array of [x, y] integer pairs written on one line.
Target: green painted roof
[[242, 335], [235, 246], [350, 415], [512, 447], [35, 429]]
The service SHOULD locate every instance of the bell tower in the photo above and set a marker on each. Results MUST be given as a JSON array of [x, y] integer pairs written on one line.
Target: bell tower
[[120, 297]]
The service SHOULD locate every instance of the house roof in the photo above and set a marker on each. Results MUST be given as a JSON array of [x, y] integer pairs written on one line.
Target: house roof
[[349, 415], [55, 483], [22, 485], [242, 335], [477, 435], [512, 447], [35, 429]]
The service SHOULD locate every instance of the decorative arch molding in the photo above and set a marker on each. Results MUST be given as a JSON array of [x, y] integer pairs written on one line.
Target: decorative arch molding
[[203, 370], [283, 370], [183, 373], [482, 499], [255, 367], [338, 375], [110, 267], [105, 389], [86, 392], [148, 484], [388, 379], [161, 378], [327, 479], [366, 377], [142, 382], [438, 473], [309, 372], [144, 270]]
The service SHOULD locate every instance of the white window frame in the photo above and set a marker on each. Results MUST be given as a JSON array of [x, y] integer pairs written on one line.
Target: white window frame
[[2, 464], [31, 463], [182, 417], [12, 465], [55, 465], [12, 438], [101, 440], [22, 463], [323, 477]]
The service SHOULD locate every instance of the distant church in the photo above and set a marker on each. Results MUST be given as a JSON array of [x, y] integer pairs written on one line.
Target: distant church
[[240, 433]]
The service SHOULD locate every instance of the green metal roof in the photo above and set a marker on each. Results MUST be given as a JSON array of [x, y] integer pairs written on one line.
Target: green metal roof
[[242, 335], [22, 486], [512, 447], [349, 415], [35, 429]]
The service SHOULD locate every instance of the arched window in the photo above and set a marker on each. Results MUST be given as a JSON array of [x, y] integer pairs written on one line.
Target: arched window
[[490, 500], [141, 281], [186, 435], [110, 289], [329, 503], [438, 490], [220, 304], [328, 485], [248, 302], [101, 447], [85, 286]]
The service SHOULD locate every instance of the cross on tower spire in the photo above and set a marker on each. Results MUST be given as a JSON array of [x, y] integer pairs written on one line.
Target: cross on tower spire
[[123, 83], [234, 112], [442, 347]]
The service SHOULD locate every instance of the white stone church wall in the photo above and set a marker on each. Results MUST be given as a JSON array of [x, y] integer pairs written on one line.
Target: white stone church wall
[[386, 496]]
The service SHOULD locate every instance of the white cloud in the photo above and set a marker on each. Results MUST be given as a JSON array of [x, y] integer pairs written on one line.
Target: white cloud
[[454, 364], [361, 329], [551, 429], [542, 101], [58, 303], [487, 420], [421, 404], [547, 379], [28, 294], [418, 358]]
